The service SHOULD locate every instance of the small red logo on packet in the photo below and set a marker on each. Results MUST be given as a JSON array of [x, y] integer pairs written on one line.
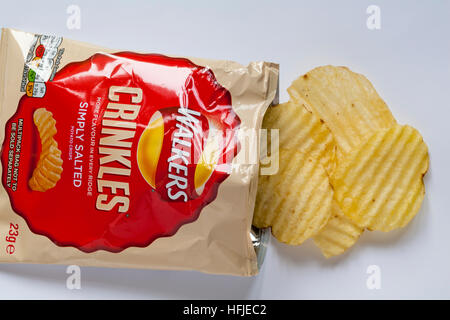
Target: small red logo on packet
[[121, 150]]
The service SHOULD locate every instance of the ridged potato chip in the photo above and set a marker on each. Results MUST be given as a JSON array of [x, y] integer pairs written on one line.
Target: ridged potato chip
[[49, 166], [346, 101], [339, 234], [336, 120], [48, 170], [379, 185], [301, 130], [46, 126], [295, 202]]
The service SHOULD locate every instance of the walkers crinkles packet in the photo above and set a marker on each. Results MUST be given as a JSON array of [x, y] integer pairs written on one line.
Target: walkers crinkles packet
[[124, 159]]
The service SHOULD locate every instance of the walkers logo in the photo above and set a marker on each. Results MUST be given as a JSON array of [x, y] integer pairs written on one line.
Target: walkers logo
[[181, 171], [121, 149]]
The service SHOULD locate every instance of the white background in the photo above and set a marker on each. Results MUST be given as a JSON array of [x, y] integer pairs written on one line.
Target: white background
[[408, 61]]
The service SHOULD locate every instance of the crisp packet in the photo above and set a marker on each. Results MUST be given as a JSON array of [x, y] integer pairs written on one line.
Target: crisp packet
[[124, 159]]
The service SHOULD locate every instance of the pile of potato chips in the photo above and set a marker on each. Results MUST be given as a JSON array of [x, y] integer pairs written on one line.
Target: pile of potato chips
[[345, 164]]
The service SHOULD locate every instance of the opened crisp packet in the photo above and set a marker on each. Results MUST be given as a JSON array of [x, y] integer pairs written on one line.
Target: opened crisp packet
[[124, 159]]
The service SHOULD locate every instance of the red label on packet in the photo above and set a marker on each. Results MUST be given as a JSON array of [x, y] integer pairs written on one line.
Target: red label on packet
[[120, 150]]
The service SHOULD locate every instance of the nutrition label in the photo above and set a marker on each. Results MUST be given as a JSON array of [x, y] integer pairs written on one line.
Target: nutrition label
[[42, 62]]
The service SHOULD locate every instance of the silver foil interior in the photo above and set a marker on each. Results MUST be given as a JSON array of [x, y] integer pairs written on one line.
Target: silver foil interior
[[260, 239]]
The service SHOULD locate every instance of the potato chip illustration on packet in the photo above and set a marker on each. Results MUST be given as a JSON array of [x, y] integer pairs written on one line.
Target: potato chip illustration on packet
[[49, 167]]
